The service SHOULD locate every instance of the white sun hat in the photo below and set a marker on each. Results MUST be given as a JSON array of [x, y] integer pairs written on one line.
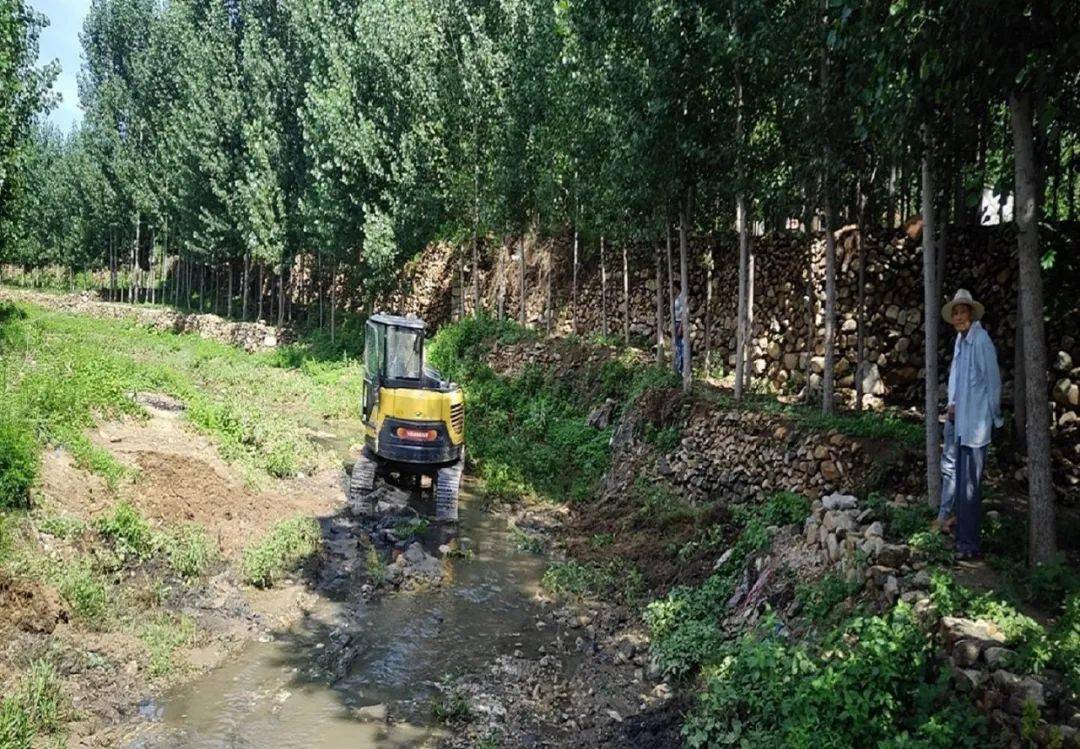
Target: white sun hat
[[963, 296]]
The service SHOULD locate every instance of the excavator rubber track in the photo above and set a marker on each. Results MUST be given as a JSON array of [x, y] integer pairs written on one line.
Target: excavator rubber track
[[447, 488], [362, 480]]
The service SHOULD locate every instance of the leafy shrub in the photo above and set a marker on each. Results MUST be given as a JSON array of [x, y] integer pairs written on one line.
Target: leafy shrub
[[819, 600], [665, 440], [128, 530], [766, 691], [785, 508], [1065, 640], [931, 546], [62, 526], [284, 548]]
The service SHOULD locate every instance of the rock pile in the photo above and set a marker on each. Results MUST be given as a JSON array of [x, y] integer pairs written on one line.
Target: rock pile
[[973, 652]]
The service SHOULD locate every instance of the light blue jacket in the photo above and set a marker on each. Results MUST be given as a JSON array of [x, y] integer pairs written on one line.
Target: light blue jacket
[[975, 387]]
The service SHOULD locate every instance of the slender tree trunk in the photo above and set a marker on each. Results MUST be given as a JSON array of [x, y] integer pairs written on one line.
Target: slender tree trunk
[[261, 295], [245, 286], [502, 283], [659, 308], [521, 278], [891, 202], [150, 271], [333, 302], [1042, 545], [811, 318], [829, 374], [135, 263], [860, 341], [281, 293], [684, 228], [930, 305], [1019, 376], [708, 313], [740, 315], [319, 285], [670, 282], [112, 265], [229, 289], [626, 295], [574, 285], [476, 235], [603, 290], [550, 302], [748, 361]]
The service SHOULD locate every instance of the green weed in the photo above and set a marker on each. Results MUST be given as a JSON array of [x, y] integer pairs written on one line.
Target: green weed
[[36, 707], [288, 545], [129, 532], [452, 707], [62, 526], [189, 551], [85, 592], [18, 458], [618, 578], [411, 528], [820, 598], [163, 635]]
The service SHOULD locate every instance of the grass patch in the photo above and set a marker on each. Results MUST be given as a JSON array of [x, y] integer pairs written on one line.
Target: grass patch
[[128, 531], [61, 373], [618, 579], [85, 591], [288, 545], [189, 551], [36, 707], [452, 707], [410, 529], [163, 635]]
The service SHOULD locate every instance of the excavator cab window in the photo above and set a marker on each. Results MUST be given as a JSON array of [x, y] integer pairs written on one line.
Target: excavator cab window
[[404, 353], [374, 346]]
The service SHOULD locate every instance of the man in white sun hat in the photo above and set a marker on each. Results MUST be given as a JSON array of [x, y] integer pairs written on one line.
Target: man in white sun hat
[[974, 410]]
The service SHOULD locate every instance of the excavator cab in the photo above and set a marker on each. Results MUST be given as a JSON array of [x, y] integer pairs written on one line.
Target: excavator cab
[[414, 420]]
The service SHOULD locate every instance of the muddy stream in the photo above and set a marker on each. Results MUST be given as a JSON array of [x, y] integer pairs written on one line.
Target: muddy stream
[[328, 680]]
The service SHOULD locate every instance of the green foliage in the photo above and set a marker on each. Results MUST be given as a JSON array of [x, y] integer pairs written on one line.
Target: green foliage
[[163, 634], [18, 459], [785, 508], [766, 691], [411, 529], [127, 529], [451, 707], [665, 440], [618, 579], [36, 707], [931, 546], [820, 598], [525, 434], [85, 591], [189, 551], [61, 526], [284, 548]]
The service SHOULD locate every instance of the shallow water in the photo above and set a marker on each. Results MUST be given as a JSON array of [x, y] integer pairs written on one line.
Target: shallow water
[[302, 687]]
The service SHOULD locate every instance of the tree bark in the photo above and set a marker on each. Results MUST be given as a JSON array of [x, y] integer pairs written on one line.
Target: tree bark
[[740, 319], [670, 282], [748, 356], [930, 354], [574, 284], [1019, 377], [112, 265], [476, 237], [550, 289], [828, 376], [603, 290], [890, 205], [1042, 544], [708, 312], [333, 302], [659, 308], [860, 340], [626, 295], [684, 228], [135, 262], [521, 269], [501, 270], [245, 285], [281, 292]]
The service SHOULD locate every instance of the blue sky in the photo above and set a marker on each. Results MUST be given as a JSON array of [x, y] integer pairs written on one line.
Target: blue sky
[[60, 41]]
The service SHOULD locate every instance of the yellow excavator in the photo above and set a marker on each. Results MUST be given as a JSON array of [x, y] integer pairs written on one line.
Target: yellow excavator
[[414, 420]]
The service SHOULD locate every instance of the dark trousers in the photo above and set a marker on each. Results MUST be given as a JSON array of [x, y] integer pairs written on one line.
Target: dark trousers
[[970, 462]]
